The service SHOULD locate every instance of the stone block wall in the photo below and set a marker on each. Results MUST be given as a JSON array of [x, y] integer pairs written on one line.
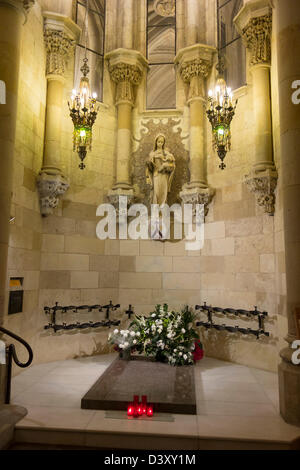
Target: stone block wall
[[52, 254], [240, 265], [26, 228]]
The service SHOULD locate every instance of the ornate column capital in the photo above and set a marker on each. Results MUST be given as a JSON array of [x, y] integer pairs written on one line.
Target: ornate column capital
[[263, 185], [257, 37], [254, 23], [194, 68], [194, 64], [123, 72], [126, 76], [126, 68], [60, 35], [58, 46]]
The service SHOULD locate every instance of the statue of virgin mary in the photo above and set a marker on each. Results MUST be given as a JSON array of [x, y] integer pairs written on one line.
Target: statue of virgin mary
[[160, 169]]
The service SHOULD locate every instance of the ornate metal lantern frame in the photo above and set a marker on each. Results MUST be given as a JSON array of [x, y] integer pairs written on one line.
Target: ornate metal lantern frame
[[83, 108], [220, 112]]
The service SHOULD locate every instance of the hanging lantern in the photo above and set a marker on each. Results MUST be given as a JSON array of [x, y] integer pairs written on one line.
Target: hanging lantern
[[83, 111], [83, 108], [220, 112]]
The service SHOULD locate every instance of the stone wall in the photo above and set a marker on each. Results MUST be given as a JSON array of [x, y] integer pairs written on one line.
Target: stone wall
[[72, 271], [26, 229], [54, 254], [240, 265]]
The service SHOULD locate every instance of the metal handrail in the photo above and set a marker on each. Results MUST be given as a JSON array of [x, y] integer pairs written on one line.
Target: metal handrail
[[12, 355]]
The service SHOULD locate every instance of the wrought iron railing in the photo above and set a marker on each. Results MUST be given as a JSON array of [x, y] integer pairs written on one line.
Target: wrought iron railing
[[11, 355], [250, 314], [53, 311]]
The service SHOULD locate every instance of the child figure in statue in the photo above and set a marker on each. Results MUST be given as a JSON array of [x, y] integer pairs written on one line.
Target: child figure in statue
[[160, 171]]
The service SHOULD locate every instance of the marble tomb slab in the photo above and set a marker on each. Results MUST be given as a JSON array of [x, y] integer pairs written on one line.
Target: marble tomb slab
[[170, 389]]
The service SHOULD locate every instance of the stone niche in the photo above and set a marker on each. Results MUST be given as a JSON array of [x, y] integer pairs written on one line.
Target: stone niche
[[172, 131]]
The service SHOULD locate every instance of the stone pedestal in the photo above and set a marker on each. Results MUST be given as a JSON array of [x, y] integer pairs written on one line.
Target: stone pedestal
[[194, 64]]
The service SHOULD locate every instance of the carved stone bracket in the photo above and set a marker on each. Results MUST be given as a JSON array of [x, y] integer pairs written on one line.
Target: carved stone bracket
[[51, 188], [263, 185], [58, 47], [257, 37], [196, 195], [114, 195]]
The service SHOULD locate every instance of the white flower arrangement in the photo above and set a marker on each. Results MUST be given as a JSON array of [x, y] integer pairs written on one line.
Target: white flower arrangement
[[123, 339], [167, 335]]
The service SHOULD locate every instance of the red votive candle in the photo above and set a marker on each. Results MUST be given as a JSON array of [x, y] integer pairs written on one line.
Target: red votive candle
[[135, 400], [144, 404], [150, 410], [135, 405], [130, 409]]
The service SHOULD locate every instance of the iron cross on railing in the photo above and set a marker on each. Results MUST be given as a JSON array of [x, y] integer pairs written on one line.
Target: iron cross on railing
[[129, 312]]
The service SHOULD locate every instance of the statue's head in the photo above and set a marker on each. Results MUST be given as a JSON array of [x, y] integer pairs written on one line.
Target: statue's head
[[160, 142]]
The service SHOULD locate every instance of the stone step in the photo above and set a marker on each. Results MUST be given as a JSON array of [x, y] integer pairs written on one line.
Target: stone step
[[9, 416], [28, 437]]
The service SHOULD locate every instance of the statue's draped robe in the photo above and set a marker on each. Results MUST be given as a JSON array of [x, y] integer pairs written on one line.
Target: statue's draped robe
[[160, 171]]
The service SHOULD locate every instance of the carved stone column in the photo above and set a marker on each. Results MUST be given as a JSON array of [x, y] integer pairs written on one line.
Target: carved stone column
[[12, 14], [192, 21], [59, 34], [254, 23], [127, 7], [126, 68], [287, 18], [194, 64]]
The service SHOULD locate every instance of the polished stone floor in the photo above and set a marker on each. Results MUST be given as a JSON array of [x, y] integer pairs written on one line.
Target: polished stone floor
[[234, 403]]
